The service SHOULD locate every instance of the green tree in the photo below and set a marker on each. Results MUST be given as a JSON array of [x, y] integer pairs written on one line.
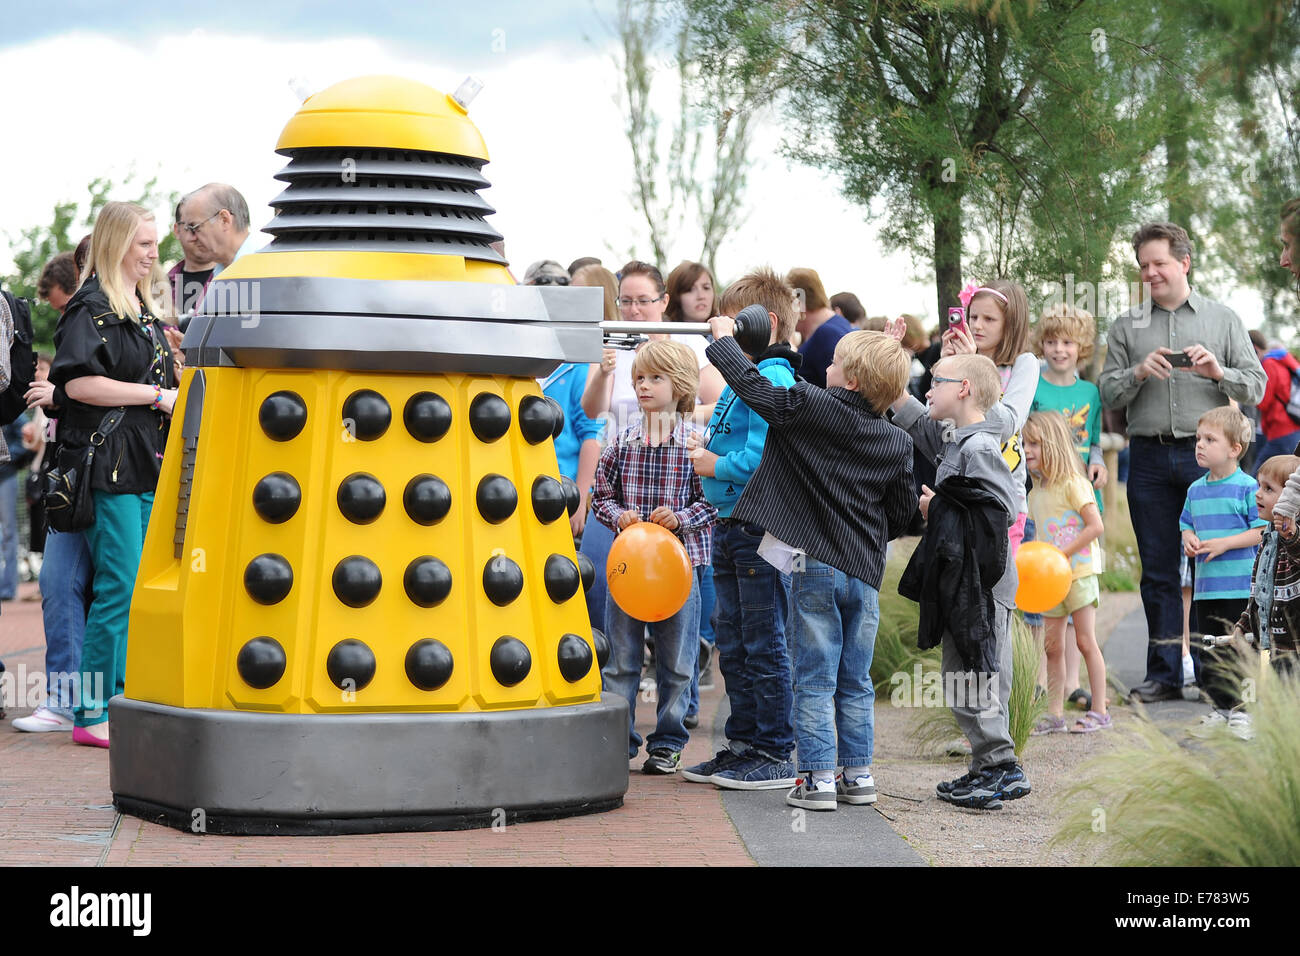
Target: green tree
[[1012, 134], [70, 220]]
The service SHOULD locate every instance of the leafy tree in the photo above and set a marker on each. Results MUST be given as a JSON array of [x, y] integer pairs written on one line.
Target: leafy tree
[[1026, 126], [37, 245]]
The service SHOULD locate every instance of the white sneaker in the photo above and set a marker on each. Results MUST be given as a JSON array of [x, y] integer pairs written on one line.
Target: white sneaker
[[42, 720], [1189, 671], [1240, 725], [1210, 724]]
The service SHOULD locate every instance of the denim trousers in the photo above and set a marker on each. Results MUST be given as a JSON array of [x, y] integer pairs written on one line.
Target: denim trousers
[[1158, 479], [596, 542], [832, 628], [677, 647], [753, 601], [704, 577], [9, 536], [65, 602], [116, 540]]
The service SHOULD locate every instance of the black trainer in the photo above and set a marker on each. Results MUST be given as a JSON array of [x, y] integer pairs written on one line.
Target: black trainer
[[945, 789], [703, 772], [1006, 781], [662, 761]]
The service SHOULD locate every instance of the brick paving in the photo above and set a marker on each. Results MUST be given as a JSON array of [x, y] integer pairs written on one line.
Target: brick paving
[[56, 808]]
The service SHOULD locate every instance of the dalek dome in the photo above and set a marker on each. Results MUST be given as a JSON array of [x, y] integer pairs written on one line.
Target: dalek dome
[[383, 112]]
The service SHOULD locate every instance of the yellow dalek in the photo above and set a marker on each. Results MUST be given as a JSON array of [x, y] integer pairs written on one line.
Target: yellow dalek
[[359, 607]]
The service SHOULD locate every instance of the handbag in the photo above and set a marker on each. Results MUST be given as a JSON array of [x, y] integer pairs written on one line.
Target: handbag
[[69, 501]]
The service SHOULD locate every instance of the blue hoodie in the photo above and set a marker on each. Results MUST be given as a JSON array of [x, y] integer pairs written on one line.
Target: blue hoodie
[[565, 385], [737, 435]]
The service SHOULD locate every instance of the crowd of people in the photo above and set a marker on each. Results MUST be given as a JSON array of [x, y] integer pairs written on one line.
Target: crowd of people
[[784, 467]]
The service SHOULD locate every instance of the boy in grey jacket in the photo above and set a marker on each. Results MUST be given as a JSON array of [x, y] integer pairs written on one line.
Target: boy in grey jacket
[[956, 434]]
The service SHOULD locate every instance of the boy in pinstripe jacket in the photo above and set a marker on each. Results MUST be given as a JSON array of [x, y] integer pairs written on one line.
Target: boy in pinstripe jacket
[[833, 486]]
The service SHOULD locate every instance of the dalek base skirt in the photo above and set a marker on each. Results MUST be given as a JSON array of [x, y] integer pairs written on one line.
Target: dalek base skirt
[[359, 607], [226, 772]]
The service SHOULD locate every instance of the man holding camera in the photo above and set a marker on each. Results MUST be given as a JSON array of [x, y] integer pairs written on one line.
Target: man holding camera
[[1169, 360]]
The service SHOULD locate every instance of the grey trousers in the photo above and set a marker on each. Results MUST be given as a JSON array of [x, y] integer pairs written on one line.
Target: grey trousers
[[980, 702]]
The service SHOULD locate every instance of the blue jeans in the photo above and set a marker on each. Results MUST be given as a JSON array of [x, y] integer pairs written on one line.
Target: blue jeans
[[833, 620], [677, 646], [65, 602], [1158, 479], [753, 602], [704, 576], [596, 542], [9, 536], [116, 540], [1282, 445]]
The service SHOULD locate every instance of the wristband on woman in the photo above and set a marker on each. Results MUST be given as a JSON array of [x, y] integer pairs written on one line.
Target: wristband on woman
[[157, 398]]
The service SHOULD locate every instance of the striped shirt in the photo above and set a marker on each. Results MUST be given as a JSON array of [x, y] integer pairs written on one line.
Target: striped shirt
[[835, 479], [634, 475], [1218, 509]]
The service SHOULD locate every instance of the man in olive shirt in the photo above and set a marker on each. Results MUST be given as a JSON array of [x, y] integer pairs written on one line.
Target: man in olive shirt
[[1169, 360]]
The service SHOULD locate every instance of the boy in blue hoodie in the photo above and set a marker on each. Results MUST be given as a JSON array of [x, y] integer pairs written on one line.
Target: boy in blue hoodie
[[752, 596]]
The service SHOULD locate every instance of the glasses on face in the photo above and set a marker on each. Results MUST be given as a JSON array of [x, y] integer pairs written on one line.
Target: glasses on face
[[551, 280], [641, 303], [193, 228], [939, 380]]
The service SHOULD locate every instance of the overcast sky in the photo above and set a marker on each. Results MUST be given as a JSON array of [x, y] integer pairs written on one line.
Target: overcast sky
[[199, 92]]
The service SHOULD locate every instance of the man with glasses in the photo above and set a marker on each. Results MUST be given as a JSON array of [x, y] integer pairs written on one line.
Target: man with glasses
[[215, 218], [190, 276]]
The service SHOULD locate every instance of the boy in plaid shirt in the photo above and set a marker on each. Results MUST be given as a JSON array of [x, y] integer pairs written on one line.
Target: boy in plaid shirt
[[645, 475]]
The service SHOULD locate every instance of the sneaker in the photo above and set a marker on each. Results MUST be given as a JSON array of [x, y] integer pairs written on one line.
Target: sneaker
[[813, 795], [759, 772], [1209, 725], [1189, 671], [662, 762], [42, 720], [944, 790], [858, 791], [691, 721], [1240, 725], [1006, 781], [703, 772]]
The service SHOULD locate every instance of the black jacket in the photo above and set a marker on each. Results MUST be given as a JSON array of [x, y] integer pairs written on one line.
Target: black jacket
[[91, 340], [954, 568]]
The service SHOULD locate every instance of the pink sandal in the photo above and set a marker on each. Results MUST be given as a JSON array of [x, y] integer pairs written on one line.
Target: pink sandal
[[1091, 722]]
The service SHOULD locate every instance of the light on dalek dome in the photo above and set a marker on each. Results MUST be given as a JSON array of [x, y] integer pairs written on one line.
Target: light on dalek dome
[[359, 608]]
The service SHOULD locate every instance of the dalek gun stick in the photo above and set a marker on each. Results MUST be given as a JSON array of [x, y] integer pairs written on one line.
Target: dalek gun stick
[[753, 331]]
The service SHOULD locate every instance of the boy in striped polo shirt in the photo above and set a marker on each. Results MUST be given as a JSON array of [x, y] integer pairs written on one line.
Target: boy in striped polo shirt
[[1221, 528]]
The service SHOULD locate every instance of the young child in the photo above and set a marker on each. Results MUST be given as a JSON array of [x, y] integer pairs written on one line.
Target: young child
[[1221, 530], [1284, 619], [833, 486], [1065, 514], [1220, 522], [645, 475], [752, 597], [997, 314], [964, 443], [1064, 339]]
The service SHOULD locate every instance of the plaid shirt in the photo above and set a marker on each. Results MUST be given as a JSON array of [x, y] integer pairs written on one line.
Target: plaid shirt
[[634, 475]]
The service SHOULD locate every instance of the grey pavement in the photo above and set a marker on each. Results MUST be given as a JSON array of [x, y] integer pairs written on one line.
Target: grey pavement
[[779, 835], [1125, 652]]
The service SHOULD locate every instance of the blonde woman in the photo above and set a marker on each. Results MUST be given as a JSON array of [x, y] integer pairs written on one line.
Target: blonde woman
[[112, 354]]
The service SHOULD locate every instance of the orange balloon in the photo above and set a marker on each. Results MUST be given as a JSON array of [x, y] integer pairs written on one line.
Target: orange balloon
[[1045, 577], [649, 572]]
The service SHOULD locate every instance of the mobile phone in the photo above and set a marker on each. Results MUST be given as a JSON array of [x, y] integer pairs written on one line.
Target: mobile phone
[[1179, 360], [957, 319]]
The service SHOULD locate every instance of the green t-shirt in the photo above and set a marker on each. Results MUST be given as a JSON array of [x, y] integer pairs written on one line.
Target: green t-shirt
[[1080, 403]]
